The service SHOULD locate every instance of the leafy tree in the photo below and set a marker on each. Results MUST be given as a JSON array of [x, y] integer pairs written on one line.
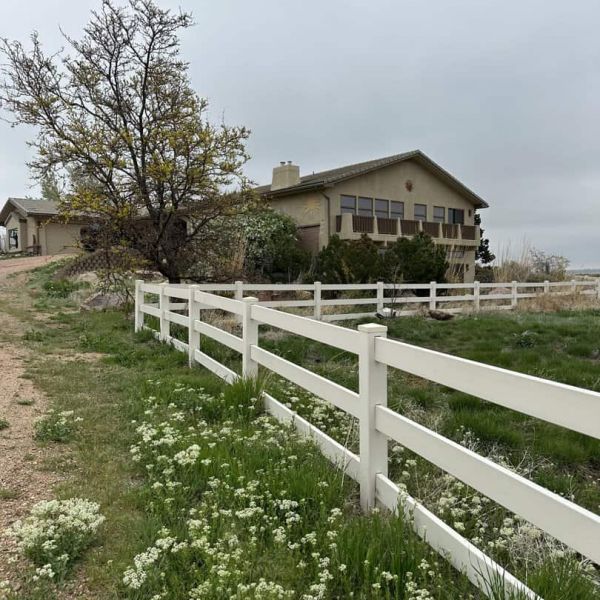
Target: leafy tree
[[483, 253], [415, 260], [271, 246], [120, 126], [348, 261]]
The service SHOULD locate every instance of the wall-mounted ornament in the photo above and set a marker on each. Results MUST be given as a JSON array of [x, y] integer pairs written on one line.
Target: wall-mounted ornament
[[408, 185]]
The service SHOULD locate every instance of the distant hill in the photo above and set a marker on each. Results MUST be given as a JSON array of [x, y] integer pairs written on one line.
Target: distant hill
[[595, 271]]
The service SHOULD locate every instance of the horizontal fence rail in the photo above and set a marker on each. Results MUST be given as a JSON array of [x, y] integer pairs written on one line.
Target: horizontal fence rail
[[565, 406], [397, 299]]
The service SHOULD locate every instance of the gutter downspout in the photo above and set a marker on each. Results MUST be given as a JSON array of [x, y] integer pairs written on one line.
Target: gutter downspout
[[328, 215]]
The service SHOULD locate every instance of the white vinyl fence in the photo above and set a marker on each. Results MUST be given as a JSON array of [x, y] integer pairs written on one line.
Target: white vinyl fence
[[401, 299], [566, 406]]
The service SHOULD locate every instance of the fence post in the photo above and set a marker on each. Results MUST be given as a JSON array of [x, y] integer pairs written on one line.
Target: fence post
[[573, 286], [194, 315], [514, 292], [317, 299], [546, 287], [372, 391], [163, 306], [598, 289], [249, 337], [380, 293], [139, 300], [476, 296], [238, 294], [432, 296]]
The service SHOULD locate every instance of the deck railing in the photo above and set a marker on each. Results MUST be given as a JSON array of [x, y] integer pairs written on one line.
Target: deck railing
[[563, 405]]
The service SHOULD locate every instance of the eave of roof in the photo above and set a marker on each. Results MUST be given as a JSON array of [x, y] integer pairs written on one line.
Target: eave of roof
[[329, 178], [28, 207]]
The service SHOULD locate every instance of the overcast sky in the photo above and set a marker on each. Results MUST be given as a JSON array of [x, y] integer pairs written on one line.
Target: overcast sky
[[503, 94]]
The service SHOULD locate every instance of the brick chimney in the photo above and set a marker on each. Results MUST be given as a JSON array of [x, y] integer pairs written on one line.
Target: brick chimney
[[285, 175]]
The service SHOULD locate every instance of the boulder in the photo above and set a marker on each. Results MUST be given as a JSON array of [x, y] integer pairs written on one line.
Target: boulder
[[103, 301]]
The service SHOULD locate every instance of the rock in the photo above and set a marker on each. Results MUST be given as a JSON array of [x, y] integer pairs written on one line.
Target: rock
[[439, 315], [103, 301]]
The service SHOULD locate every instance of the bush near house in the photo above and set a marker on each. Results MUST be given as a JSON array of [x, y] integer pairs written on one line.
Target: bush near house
[[271, 248], [415, 260]]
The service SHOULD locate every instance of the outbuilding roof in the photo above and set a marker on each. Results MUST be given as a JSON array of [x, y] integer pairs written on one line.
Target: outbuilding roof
[[28, 207], [328, 178]]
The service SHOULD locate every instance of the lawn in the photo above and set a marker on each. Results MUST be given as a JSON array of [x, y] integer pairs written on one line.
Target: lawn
[[206, 497]]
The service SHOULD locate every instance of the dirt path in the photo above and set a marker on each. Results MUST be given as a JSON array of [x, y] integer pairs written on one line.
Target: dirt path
[[23, 481]]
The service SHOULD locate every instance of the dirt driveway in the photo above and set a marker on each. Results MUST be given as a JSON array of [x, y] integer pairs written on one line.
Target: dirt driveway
[[23, 478]]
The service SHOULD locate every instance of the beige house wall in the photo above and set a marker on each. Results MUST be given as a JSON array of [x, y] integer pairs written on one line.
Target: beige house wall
[[306, 210], [388, 183], [58, 238]]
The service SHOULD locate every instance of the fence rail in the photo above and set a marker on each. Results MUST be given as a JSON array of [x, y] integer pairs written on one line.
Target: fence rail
[[563, 405], [400, 299]]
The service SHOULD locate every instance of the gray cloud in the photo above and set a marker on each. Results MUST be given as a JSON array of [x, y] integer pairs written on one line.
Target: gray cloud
[[502, 94]]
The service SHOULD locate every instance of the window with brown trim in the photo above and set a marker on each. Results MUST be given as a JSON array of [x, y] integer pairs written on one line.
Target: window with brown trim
[[456, 215], [396, 209], [420, 212], [347, 204], [365, 206], [382, 208], [439, 214]]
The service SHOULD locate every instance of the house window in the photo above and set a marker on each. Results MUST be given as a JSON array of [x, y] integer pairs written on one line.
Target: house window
[[13, 238], [365, 207], [382, 208], [420, 212], [456, 215], [439, 214], [348, 204], [396, 210]]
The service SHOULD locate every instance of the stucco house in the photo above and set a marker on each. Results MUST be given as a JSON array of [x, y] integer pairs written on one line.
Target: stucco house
[[385, 198], [32, 226]]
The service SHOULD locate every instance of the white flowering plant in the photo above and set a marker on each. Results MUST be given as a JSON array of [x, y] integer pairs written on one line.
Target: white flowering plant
[[56, 533], [57, 426], [249, 509]]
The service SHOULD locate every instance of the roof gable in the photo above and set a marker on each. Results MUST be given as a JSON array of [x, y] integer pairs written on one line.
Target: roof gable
[[325, 179], [28, 207]]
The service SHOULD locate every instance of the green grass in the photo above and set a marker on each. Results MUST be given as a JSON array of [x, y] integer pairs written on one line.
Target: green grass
[[572, 460], [4, 424], [112, 396], [136, 375], [25, 401], [8, 494]]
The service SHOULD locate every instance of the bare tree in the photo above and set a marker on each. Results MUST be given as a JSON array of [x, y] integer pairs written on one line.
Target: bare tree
[[120, 125]]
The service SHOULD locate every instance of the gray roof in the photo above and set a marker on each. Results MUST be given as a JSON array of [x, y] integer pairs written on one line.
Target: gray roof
[[328, 178], [28, 207]]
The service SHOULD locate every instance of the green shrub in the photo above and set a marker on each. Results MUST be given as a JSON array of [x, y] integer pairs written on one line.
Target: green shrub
[[57, 426], [415, 260], [3, 424], [272, 248], [348, 261]]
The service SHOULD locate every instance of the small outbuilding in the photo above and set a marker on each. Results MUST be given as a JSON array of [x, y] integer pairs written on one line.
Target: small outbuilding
[[33, 227]]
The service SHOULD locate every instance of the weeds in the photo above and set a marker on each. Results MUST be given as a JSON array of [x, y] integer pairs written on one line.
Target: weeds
[[4, 424], [25, 401], [57, 426]]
